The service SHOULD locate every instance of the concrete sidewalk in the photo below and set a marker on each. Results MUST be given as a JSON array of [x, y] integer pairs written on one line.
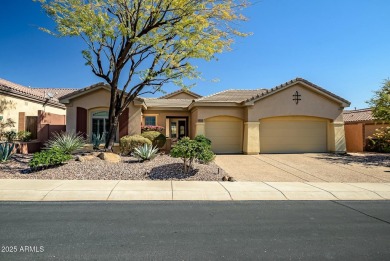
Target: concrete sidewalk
[[66, 190]]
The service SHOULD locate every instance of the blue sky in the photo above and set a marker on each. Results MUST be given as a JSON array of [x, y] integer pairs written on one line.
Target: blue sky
[[343, 46]]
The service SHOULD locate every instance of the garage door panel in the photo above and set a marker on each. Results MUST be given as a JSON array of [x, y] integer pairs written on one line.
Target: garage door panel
[[225, 134], [293, 135]]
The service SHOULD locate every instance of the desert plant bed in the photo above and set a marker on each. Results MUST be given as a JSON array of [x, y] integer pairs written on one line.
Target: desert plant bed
[[163, 167]]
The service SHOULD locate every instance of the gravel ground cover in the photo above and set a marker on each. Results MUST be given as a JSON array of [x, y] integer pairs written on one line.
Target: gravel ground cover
[[163, 167]]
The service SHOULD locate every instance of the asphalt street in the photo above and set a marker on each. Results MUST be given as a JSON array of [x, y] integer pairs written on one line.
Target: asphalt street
[[262, 230]]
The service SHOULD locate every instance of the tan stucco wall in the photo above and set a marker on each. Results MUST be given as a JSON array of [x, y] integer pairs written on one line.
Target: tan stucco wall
[[182, 95], [208, 112], [161, 117], [194, 129], [97, 101], [29, 107], [282, 104]]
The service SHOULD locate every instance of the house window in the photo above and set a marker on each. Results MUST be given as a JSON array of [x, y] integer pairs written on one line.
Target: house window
[[100, 124], [173, 130], [150, 120]]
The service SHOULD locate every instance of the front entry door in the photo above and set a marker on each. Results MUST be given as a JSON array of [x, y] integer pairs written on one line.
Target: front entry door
[[182, 129]]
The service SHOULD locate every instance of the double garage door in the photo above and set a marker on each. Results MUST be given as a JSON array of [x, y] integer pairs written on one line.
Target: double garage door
[[293, 135], [277, 135]]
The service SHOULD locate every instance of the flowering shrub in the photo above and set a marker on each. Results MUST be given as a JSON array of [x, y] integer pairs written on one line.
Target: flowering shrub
[[151, 128], [380, 140]]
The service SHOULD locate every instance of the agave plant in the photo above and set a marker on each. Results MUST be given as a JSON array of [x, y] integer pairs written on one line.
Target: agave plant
[[68, 142], [97, 139], [145, 152], [6, 150]]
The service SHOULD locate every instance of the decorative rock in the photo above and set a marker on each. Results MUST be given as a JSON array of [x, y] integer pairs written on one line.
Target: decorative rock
[[231, 179], [85, 158], [225, 178], [110, 157]]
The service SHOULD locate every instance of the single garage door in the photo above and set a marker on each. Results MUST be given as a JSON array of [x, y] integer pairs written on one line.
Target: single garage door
[[225, 134], [293, 135]]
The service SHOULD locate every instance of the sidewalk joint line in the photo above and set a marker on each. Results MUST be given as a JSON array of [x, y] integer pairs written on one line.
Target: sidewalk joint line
[[296, 169], [361, 212], [277, 190], [225, 189], [368, 190], [51, 191], [322, 189], [280, 168], [109, 195]]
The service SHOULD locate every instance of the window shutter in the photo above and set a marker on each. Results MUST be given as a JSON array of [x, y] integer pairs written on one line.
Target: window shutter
[[81, 122], [124, 123]]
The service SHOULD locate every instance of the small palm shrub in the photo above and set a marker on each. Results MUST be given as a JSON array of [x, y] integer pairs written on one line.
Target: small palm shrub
[[145, 152], [128, 143], [49, 158], [24, 135], [158, 139], [68, 142], [6, 150], [10, 135]]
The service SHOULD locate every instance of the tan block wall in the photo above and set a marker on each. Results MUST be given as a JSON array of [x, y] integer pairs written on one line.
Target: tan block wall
[[30, 108], [282, 104], [354, 137]]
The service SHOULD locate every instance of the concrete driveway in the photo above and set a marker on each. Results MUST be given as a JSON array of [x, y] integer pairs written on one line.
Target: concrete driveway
[[307, 167]]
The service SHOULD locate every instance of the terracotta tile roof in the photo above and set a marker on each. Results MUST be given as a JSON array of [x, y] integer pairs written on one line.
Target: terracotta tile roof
[[236, 96], [57, 92], [28, 92], [180, 91], [284, 85], [172, 103], [358, 115]]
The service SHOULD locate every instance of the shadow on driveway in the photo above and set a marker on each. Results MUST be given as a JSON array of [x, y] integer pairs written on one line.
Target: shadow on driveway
[[367, 159]]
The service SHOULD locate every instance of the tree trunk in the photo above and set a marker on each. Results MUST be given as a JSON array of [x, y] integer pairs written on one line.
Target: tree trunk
[[110, 139]]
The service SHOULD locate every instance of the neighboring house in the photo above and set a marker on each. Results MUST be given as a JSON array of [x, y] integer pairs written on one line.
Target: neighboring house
[[28, 101], [359, 125], [295, 117]]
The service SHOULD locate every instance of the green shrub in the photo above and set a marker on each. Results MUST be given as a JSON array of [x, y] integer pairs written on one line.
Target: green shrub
[[380, 140], [203, 139], [6, 150], [190, 150], [129, 143], [24, 135], [10, 135], [155, 137], [48, 158], [145, 152], [68, 142]]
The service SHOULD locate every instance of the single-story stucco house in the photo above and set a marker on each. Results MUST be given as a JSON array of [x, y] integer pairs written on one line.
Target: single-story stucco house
[[28, 101], [295, 117], [359, 125]]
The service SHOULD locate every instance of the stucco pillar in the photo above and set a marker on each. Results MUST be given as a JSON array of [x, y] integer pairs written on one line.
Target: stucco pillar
[[336, 137], [251, 138], [200, 128]]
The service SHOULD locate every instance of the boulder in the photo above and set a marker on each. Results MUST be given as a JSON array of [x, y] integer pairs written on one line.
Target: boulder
[[110, 157], [85, 158]]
